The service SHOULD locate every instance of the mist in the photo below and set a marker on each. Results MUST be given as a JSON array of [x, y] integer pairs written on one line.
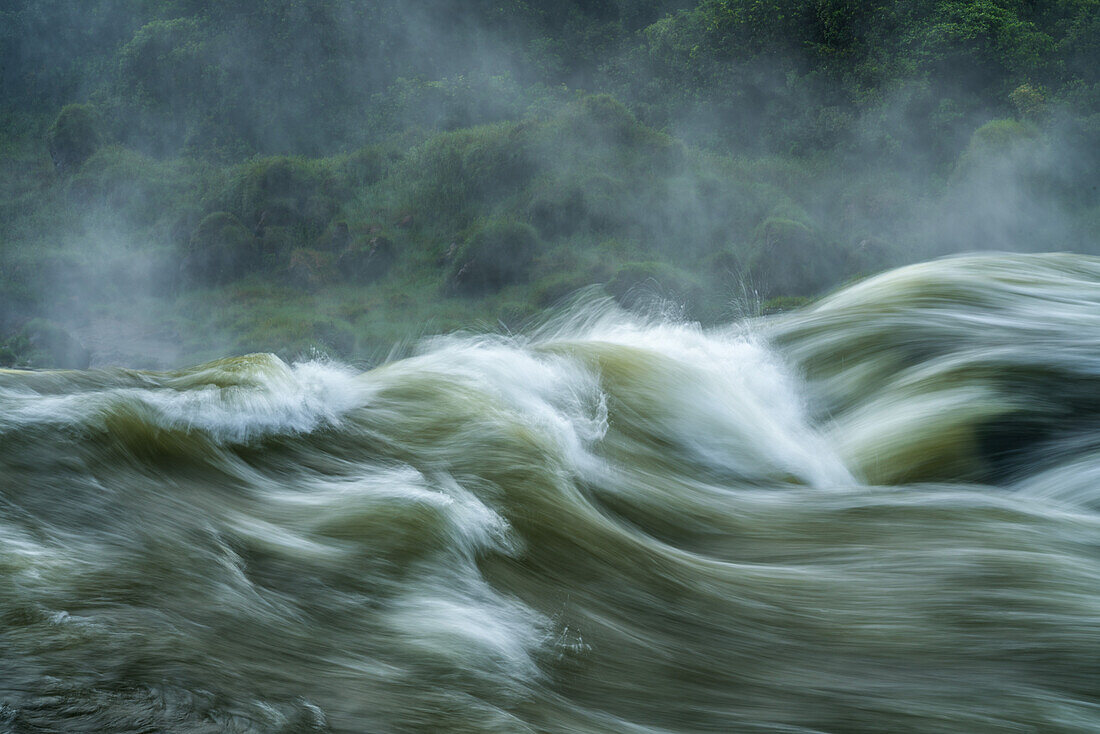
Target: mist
[[648, 366], [302, 178]]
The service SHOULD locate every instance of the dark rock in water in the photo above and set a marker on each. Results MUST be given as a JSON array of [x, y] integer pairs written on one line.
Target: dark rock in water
[[50, 345], [221, 249], [367, 263]]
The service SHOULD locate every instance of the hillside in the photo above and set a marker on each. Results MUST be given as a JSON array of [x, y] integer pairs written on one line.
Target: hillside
[[185, 180]]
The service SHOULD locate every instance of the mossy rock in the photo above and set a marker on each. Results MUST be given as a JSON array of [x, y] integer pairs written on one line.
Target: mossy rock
[[73, 137], [131, 185], [493, 256], [604, 116], [221, 250], [789, 258], [723, 265], [607, 203], [599, 122]]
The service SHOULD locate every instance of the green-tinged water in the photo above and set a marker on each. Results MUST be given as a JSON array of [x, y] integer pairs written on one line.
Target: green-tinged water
[[881, 514]]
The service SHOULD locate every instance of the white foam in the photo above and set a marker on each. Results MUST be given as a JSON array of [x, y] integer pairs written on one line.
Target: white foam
[[271, 398]]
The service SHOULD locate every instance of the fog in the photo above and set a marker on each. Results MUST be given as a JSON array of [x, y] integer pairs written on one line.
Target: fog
[[340, 176], [640, 366]]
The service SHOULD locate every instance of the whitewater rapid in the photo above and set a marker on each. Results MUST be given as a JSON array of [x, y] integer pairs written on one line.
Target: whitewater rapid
[[880, 513]]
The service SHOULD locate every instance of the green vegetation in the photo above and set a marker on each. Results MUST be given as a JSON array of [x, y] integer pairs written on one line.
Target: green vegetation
[[342, 175]]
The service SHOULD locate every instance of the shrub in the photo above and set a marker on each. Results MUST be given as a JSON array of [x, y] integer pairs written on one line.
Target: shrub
[[311, 269], [638, 283], [789, 258], [221, 250], [493, 256], [1030, 102], [366, 262], [1000, 136], [49, 345], [559, 212], [1001, 151], [136, 187], [453, 176], [286, 192], [73, 137]]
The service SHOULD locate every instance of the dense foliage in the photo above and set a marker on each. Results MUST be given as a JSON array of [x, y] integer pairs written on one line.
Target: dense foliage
[[339, 173]]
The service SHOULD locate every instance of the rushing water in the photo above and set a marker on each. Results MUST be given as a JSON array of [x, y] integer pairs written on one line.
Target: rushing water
[[880, 514]]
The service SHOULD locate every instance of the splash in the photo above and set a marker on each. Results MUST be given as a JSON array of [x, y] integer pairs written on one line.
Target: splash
[[876, 514]]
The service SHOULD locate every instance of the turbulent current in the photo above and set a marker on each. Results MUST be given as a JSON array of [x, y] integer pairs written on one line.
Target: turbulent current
[[877, 514]]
